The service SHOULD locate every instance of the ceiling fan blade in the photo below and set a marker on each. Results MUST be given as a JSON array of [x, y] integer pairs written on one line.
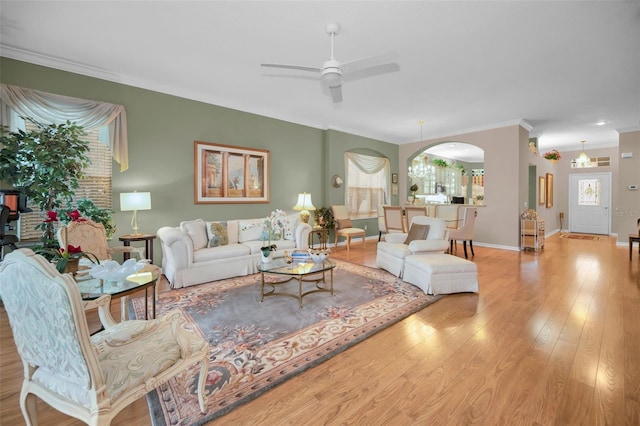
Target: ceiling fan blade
[[292, 67], [336, 93], [368, 62]]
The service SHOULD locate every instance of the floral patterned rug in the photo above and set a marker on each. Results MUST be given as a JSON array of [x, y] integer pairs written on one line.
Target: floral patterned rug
[[256, 346]]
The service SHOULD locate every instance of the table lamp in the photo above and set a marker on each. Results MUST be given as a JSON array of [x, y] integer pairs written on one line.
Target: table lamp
[[134, 201], [304, 205]]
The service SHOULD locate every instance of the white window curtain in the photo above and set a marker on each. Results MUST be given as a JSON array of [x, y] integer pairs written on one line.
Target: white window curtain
[[51, 108]]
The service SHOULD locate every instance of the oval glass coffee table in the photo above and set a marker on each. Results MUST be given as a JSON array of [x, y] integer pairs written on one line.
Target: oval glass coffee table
[[144, 279], [301, 271]]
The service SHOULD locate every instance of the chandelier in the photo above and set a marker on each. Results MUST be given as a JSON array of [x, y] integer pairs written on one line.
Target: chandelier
[[419, 171], [583, 159]]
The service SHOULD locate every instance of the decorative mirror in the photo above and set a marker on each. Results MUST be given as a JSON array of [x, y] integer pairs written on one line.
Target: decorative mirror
[[336, 181]]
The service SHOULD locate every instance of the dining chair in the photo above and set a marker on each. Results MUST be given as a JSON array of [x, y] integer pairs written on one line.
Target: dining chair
[[394, 219], [382, 227], [412, 211], [344, 227], [465, 232], [89, 377]]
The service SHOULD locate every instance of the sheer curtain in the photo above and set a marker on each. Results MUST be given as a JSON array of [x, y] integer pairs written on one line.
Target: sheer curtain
[[370, 187], [51, 108]]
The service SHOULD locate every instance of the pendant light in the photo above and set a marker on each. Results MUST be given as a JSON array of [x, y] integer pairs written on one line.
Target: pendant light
[[583, 159]]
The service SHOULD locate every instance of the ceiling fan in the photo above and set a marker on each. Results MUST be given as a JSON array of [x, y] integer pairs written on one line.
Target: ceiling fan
[[332, 70]]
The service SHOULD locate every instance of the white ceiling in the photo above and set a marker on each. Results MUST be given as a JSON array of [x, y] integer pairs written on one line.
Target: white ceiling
[[561, 66]]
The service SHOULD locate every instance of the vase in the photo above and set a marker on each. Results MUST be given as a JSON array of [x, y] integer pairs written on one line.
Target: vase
[[72, 266], [266, 258], [553, 161]]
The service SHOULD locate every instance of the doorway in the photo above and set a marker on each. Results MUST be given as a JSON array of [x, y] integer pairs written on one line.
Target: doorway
[[589, 201]]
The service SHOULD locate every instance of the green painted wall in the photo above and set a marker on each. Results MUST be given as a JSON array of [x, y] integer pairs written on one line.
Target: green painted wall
[[163, 128]]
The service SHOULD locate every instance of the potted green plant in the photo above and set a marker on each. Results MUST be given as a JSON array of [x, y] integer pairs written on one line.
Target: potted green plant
[[325, 217], [91, 211], [46, 164], [440, 162]]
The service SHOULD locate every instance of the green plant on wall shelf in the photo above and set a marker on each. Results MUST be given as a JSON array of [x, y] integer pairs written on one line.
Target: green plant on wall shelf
[[440, 162]]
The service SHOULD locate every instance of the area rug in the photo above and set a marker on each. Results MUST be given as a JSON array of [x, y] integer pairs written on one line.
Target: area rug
[[256, 346], [586, 237]]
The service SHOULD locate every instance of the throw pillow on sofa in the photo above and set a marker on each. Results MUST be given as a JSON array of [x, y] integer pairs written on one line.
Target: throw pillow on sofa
[[218, 232], [249, 231], [197, 231], [417, 232], [289, 228]]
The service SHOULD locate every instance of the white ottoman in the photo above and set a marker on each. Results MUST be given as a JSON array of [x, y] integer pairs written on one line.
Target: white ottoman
[[441, 273]]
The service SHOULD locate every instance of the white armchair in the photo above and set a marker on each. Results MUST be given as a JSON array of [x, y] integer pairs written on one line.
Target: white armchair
[[91, 378], [392, 252]]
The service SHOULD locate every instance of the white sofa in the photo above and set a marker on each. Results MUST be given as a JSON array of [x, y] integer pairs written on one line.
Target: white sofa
[[392, 252], [190, 257]]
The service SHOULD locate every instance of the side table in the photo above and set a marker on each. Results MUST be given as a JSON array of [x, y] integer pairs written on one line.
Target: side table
[[148, 242], [633, 238], [323, 237]]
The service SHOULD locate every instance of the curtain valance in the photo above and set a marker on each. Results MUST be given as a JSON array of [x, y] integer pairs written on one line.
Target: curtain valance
[[367, 163], [57, 109]]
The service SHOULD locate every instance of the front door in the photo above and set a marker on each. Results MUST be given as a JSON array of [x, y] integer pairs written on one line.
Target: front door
[[589, 200]]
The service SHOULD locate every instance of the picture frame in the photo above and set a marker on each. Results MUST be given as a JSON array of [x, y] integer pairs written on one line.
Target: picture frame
[[394, 189], [549, 190], [394, 178], [542, 189], [225, 174]]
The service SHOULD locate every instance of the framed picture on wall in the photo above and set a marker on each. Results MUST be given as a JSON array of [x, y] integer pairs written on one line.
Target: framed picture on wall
[[228, 174], [394, 189], [549, 190], [394, 178], [541, 190]]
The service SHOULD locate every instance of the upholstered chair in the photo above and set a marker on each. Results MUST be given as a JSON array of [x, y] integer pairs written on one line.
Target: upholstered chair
[[90, 378], [465, 232], [427, 235], [92, 237], [344, 227]]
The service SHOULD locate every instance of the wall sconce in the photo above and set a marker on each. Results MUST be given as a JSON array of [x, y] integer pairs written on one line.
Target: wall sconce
[[134, 201], [304, 205]]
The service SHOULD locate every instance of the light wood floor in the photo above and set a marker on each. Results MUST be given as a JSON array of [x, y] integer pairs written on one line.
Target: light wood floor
[[551, 339]]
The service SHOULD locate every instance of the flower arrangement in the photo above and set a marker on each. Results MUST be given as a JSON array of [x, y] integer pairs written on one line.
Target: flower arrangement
[[71, 254], [554, 154], [272, 228]]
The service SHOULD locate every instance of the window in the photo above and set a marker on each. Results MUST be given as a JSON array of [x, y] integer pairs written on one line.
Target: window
[[477, 183], [367, 184], [589, 192], [96, 184]]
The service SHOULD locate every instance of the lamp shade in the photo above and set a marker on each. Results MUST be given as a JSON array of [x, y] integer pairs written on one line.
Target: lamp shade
[[304, 202], [135, 201]]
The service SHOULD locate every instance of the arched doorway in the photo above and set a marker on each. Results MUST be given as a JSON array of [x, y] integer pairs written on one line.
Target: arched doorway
[[450, 171]]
